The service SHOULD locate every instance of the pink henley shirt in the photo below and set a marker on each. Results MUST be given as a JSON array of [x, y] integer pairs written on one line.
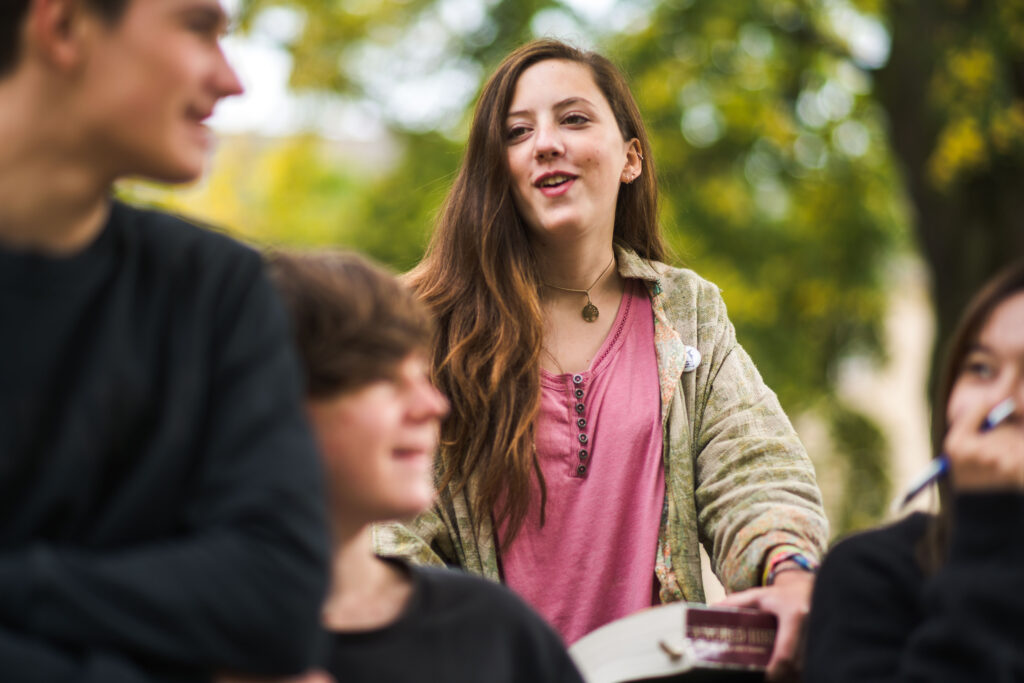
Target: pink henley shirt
[[599, 442]]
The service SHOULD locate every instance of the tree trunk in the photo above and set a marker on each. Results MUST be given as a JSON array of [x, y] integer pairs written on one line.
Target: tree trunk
[[974, 228]]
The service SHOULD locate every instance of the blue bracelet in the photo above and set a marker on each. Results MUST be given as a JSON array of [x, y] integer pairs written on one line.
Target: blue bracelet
[[799, 558]]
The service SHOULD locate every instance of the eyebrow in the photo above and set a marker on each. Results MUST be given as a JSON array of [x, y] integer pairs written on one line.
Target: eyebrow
[[568, 101], [213, 12]]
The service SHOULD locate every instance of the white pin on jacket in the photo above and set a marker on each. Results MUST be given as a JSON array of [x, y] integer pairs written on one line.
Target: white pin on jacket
[[692, 359]]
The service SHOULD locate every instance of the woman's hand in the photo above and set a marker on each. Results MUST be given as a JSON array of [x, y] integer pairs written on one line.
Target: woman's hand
[[991, 460], [789, 599]]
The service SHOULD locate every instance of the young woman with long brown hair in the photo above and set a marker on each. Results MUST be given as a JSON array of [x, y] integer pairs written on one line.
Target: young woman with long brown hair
[[604, 421], [941, 597]]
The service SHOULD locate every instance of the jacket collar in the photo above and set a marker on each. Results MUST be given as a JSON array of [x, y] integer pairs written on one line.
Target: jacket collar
[[632, 265]]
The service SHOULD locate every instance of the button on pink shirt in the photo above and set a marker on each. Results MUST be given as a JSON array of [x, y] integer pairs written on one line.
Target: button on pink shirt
[[599, 442]]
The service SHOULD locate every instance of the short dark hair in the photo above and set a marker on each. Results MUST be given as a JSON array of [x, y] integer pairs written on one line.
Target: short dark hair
[[352, 321], [12, 18]]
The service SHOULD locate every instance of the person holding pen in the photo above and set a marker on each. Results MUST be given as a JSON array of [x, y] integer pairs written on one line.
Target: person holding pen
[[941, 597]]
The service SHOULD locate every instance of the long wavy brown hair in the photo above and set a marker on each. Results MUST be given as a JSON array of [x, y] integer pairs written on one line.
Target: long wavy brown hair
[[934, 546], [479, 277]]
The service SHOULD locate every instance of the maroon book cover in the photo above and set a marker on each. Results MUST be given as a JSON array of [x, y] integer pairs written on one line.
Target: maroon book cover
[[679, 642], [732, 638]]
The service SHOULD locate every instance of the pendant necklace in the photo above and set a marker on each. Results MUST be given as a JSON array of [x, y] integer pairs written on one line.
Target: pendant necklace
[[589, 311]]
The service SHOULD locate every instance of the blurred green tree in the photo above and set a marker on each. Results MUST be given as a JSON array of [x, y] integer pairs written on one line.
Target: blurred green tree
[[770, 148], [953, 92], [778, 182], [778, 128]]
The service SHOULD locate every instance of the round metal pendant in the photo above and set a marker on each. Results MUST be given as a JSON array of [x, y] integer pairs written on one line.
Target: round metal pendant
[[590, 313]]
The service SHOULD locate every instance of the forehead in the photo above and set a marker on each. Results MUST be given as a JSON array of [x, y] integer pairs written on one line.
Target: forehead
[[149, 9], [551, 81], [1004, 329]]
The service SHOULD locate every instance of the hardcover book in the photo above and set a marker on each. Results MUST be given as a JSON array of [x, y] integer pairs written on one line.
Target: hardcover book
[[678, 642]]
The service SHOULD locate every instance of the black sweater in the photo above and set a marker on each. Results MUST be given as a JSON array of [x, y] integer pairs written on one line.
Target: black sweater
[[161, 514], [456, 628], [876, 616]]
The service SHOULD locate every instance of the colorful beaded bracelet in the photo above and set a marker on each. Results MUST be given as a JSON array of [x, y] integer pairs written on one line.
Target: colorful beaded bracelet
[[799, 558]]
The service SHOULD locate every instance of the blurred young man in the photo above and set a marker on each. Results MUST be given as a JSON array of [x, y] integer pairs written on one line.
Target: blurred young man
[[161, 513], [364, 343]]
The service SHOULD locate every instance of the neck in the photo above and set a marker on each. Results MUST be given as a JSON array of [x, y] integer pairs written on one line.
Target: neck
[[54, 197], [366, 592], [577, 266]]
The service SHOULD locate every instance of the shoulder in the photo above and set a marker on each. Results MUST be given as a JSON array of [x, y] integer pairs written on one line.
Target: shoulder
[[867, 602], [454, 586], [896, 536], [492, 621], [876, 558], [173, 242], [684, 282], [685, 295], [454, 596], [694, 307]]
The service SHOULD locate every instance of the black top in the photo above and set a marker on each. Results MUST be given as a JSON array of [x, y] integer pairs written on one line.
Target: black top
[[876, 616], [160, 494], [456, 628]]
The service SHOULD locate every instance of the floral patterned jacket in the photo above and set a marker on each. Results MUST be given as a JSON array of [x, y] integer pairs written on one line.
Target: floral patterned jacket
[[737, 477]]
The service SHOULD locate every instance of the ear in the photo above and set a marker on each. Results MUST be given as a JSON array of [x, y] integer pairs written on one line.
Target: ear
[[634, 162], [56, 31]]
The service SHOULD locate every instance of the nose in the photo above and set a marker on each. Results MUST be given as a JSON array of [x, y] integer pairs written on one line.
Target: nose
[[226, 81], [440, 403], [547, 142], [429, 403]]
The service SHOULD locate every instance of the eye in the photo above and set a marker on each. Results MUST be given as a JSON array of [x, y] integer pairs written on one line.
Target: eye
[[979, 368], [575, 119], [207, 23], [516, 132]]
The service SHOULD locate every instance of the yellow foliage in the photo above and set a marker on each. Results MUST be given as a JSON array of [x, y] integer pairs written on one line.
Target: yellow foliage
[[814, 297], [267, 192], [719, 27], [777, 125], [1011, 19], [728, 199], [752, 304], [1006, 128], [658, 88], [974, 69], [960, 149]]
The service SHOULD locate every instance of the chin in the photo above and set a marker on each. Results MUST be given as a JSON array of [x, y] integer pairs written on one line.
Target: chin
[[556, 226], [185, 171], [407, 509]]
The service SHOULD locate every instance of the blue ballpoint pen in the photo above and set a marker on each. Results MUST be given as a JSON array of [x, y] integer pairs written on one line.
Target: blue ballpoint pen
[[939, 467]]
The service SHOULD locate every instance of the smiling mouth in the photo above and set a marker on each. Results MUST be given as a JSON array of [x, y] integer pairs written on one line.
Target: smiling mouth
[[554, 180], [411, 452], [198, 115]]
